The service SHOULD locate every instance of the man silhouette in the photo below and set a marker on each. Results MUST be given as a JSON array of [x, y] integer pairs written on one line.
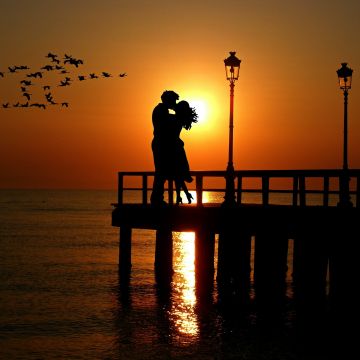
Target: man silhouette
[[162, 144]]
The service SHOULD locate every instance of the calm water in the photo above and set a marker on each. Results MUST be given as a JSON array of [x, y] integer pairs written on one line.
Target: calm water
[[61, 297]]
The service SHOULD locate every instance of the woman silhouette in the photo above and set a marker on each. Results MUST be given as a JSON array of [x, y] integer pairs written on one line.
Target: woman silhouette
[[185, 115]]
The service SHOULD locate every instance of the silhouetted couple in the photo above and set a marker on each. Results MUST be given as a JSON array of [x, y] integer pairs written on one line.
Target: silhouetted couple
[[168, 118]]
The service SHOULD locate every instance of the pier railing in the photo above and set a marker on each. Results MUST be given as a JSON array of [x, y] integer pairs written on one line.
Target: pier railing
[[302, 183]]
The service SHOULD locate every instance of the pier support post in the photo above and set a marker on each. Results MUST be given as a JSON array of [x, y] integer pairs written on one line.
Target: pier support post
[[125, 250], [344, 268], [344, 296], [270, 267], [310, 269], [163, 255], [204, 260], [233, 275]]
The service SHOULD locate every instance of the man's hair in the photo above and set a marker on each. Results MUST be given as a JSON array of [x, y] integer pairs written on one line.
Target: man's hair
[[169, 95]]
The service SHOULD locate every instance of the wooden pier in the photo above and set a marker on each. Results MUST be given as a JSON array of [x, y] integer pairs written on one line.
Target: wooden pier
[[325, 231]]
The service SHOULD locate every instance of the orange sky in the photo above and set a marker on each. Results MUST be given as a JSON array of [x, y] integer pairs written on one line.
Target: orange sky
[[288, 107]]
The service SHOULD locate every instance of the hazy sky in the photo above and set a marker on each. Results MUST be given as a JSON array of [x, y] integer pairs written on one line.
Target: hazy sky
[[288, 107]]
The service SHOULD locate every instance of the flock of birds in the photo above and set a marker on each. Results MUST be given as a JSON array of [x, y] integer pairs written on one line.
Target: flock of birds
[[60, 67]]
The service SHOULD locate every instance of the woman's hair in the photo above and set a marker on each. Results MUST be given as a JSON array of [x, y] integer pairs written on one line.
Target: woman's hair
[[186, 113]]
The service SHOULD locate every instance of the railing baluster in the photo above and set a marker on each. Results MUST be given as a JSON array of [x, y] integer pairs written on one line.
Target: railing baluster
[[144, 189], [239, 190], [302, 188], [295, 190], [120, 188], [326, 191], [265, 190], [199, 189]]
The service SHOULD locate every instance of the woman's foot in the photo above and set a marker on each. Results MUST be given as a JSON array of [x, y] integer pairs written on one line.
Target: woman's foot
[[189, 197], [178, 200]]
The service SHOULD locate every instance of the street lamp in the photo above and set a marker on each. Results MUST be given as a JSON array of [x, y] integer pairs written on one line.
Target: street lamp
[[345, 76], [232, 68]]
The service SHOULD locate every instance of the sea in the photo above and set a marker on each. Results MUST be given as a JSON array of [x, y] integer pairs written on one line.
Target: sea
[[61, 295]]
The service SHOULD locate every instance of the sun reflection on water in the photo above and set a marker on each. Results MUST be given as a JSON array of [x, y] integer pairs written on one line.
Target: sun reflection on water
[[182, 313]]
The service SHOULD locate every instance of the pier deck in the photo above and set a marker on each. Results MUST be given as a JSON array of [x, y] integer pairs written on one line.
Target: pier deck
[[216, 217]]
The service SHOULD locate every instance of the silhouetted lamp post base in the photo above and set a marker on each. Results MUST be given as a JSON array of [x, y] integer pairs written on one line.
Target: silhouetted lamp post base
[[230, 187], [345, 199], [232, 68], [345, 77]]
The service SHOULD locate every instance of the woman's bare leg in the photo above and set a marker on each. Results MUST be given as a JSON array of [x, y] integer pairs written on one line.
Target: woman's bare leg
[[178, 185], [187, 193]]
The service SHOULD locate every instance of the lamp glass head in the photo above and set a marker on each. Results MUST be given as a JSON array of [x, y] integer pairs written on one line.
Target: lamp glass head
[[232, 66], [345, 76]]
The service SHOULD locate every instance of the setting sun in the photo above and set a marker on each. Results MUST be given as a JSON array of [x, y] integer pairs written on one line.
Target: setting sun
[[201, 108], [205, 104]]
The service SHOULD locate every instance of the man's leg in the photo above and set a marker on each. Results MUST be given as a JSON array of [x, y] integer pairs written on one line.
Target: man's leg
[[157, 195]]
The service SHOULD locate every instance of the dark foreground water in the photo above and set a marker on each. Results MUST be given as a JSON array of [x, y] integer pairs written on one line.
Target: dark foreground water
[[61, 296]]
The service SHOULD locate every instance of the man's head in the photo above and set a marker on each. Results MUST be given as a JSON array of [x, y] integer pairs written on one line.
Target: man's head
[[169, 98]]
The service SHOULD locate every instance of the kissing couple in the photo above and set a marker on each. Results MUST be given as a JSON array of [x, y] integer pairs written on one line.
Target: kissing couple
[[169, 117]]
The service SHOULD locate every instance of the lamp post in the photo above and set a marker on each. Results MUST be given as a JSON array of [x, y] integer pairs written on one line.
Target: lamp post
[[345, 76], [232, 68]]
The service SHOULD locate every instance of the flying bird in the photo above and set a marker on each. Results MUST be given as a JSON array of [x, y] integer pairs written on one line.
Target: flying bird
[[81, 77], [93, 76], [1, 74], [65, 104], [123, 75], [77, 62], [57, 61], [50, 99], [64, 83], [22, 67], [48, 67], [105, 74], [73, 61], [27, 95], [68, 59], [35, 75], [12, 69], [26, 83], [6, 106], [51, 56], [23, 89], [46, 87], [39, 105]]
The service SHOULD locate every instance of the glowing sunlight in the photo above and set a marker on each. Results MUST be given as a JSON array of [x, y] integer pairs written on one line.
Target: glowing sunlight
[[206, 106], [202, 109], [183, 308], [206, 197]]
